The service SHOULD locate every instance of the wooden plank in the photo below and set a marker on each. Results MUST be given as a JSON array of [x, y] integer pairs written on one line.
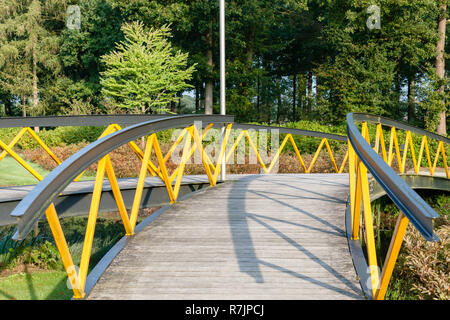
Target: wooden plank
[[256, 237]]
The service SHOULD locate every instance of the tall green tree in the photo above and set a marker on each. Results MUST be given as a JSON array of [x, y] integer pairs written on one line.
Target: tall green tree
[[29, 46], [144, 73]]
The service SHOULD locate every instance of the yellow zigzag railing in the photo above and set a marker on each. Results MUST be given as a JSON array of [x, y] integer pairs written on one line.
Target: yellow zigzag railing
[[359, 184], [360, 198], [172, 183]]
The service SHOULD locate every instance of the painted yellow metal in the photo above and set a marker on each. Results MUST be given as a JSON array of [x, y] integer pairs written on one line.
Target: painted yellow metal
[[118, 197], [316, 155], [61, 244], [141, 181], [194, 133], [222, 151], [92, 219], [368, 222], [163, 169], [352, 179], [43, 145], [357, 203], [331, 155], [13, 142], [20, 160], [184, 158], [392, 254]]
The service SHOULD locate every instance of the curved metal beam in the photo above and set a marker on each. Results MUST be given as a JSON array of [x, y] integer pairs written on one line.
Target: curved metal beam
[[299, 132], [78, 121], [409, 202], [32, 207], [398, 124]]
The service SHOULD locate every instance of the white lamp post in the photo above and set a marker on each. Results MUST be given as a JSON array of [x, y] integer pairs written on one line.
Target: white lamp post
[[222, 76]]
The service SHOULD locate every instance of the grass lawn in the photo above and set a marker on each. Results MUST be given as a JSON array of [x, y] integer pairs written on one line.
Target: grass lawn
[[13, 174], [39, 285]]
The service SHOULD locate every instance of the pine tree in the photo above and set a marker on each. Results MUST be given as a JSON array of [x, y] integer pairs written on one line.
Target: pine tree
[[144, 73]]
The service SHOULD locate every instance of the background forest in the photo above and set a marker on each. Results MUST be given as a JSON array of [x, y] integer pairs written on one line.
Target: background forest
[[287, 60]]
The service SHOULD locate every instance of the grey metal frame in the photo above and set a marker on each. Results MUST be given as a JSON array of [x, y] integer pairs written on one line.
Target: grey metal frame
[[33, 205], [419, 213]]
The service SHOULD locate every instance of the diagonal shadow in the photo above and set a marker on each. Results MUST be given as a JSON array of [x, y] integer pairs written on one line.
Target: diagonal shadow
[[312, 280], [30, 285], [302, 211], [240, 232], [290, 196], [310, 191], [298, 246], [339, 234]]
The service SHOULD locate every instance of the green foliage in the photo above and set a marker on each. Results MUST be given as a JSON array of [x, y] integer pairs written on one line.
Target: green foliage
[[56, 137], [143, 73]]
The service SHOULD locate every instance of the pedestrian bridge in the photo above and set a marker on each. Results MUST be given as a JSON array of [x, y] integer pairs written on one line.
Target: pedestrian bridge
[[263, 236]]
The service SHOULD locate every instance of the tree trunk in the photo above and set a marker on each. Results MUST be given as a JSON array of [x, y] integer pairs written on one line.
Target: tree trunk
[[411, 99], [309, 92], [35, 80], [440, 67], [209, 83], [294, 98], [258, 95], [197, 98], [24, 106], [278, 100]]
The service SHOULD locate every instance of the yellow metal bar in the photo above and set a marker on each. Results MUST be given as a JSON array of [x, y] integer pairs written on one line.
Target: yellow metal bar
[[151, 167], [352, 179], [109, 129], [413, 153], [405, 151], [118, 197], [397, 153], [20, 160], [92, 219], [377, 138], [238, 139], [180, 138], [162, 166], [61, 244], [223, 149], [357, 203], [444, 158], [194, 133], [297, 152], [341, 169], [43, 145], [184, 158], [141, 181], [252, 145], [316, 155], [13, 142], [392, 254], [194, 147], [277, 154], [382, 144], [436, 158], [368, 221], [176, 143], [331, 155]]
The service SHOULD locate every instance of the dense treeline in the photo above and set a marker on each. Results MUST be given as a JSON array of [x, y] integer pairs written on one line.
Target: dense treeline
[[287, 60]]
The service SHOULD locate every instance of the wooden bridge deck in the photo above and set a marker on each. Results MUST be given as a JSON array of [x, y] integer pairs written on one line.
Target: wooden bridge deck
[[255, 237]]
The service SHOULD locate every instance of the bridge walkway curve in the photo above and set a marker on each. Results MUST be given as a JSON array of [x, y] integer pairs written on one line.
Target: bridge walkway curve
[[272, 236]]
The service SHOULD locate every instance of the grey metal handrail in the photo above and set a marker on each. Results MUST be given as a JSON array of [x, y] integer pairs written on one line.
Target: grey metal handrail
[[33, 205], [78, 121], [419, 213]]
